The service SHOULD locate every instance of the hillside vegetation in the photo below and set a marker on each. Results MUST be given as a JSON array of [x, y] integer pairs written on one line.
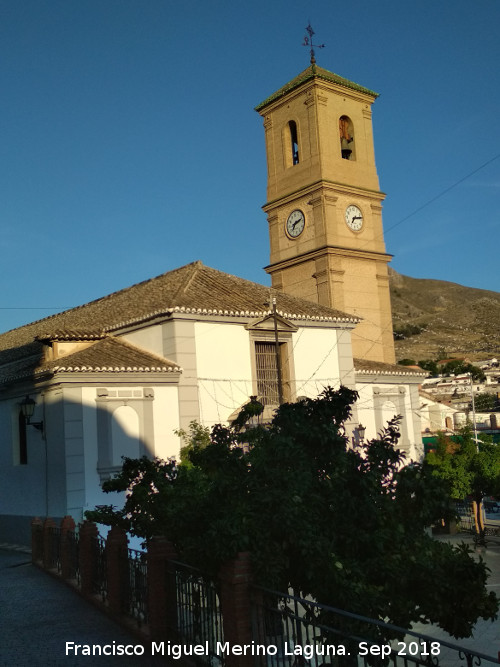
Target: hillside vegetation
[[436, 319]]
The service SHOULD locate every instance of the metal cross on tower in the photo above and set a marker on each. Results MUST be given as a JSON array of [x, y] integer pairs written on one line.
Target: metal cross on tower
[[308, 41]]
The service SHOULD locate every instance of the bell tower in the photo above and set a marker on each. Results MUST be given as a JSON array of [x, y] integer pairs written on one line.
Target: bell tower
[[324, 205]]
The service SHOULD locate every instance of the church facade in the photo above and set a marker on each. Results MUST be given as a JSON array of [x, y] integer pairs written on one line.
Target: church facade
[[121, 375]]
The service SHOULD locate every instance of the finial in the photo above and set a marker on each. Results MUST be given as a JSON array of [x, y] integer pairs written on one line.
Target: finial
[[308, 41]]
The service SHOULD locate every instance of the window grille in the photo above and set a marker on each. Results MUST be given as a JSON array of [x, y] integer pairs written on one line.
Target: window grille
[[267, 373]]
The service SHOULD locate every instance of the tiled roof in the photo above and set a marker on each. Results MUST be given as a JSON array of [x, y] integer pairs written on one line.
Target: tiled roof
[[380, 368], [107, 355], [193, 288], [312, 72]]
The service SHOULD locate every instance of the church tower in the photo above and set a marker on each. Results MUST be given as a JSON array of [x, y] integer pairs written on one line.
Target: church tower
[[324, 205]]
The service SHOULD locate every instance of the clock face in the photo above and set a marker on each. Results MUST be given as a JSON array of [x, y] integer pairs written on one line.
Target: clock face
[[354, 218], [295, 223]]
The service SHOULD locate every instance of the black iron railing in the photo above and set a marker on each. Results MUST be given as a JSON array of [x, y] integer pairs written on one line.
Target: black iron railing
[[466, 521], [73, 552], [292, 632], [199, 614], [137, 586], [54, 544], [37, 541], [100, 583]]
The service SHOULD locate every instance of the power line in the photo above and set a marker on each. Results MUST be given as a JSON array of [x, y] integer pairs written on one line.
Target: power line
[[442, 193]]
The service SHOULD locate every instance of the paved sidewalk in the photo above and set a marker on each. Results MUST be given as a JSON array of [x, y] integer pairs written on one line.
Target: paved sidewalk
[[39, 614]]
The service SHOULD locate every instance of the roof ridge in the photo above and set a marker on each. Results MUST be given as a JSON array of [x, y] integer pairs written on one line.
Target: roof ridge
[[194, 268], [100, 299]]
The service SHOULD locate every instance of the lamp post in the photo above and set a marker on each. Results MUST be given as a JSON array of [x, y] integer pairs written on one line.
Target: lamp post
[[358, 437], [27, 406]]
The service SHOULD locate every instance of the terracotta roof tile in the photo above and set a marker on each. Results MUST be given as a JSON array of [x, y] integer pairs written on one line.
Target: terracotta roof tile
[[381, 368], [113, 354], [110, 354], [193, 288]]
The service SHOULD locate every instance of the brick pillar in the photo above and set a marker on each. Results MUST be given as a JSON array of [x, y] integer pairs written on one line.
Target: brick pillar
[[88, 556], [67, 526], [235, 577], [36, 540], [162, 595], [117, 570], [48, 538]]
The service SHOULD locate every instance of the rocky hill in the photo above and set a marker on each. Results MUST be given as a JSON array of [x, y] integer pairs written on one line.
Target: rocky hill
[[436, 319]]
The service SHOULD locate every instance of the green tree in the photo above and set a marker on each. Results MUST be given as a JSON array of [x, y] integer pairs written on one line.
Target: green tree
[[429, 365], [458, 366], [345, 526], [468, 468], [485, 402], [197, 437], [407, 362]]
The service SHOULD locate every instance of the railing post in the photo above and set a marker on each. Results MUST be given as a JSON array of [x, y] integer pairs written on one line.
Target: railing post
[[117, 570], [48, 537], [235, 577], [36, 540], [67, 526], [162, 596], [87, 557]]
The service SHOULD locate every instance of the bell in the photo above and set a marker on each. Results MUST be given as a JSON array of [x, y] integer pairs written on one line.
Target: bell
[[345, 149]]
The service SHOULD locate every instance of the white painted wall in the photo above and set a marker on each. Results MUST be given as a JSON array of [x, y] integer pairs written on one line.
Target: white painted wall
[[390, 408], [165, 418], [149, 338], [224, 370], [21, 477], [93, 493], [316, 359], [166, 421]]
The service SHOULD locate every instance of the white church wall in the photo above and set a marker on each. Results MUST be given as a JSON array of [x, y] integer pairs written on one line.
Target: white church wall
[[20, 476], [316, 361], [126, 436], [166, 421], [148, 338], [379, 402], [224, 369]]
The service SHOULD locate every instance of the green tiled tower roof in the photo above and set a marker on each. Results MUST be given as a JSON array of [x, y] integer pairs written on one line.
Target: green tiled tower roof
[[314, 72]]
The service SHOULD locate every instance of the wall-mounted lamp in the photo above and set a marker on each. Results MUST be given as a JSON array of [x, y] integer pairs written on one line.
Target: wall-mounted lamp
[[28, 408], [358, 435]]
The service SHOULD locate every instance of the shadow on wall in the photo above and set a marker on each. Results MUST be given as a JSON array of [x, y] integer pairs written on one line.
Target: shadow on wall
[[64, 465]]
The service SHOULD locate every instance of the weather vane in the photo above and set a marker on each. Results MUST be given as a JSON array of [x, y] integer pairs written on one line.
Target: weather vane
[[308, 41]]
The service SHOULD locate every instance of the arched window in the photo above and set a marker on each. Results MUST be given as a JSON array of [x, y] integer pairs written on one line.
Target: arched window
[[292, 126], [346, 132]]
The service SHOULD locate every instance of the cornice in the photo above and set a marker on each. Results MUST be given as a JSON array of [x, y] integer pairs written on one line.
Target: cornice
[[338, 188], [330, 250]]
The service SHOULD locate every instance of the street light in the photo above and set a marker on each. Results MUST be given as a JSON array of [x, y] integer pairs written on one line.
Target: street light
[[358, 435], [28, 408]]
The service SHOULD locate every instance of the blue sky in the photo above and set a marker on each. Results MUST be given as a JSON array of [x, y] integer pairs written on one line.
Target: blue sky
[[129, 143]]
